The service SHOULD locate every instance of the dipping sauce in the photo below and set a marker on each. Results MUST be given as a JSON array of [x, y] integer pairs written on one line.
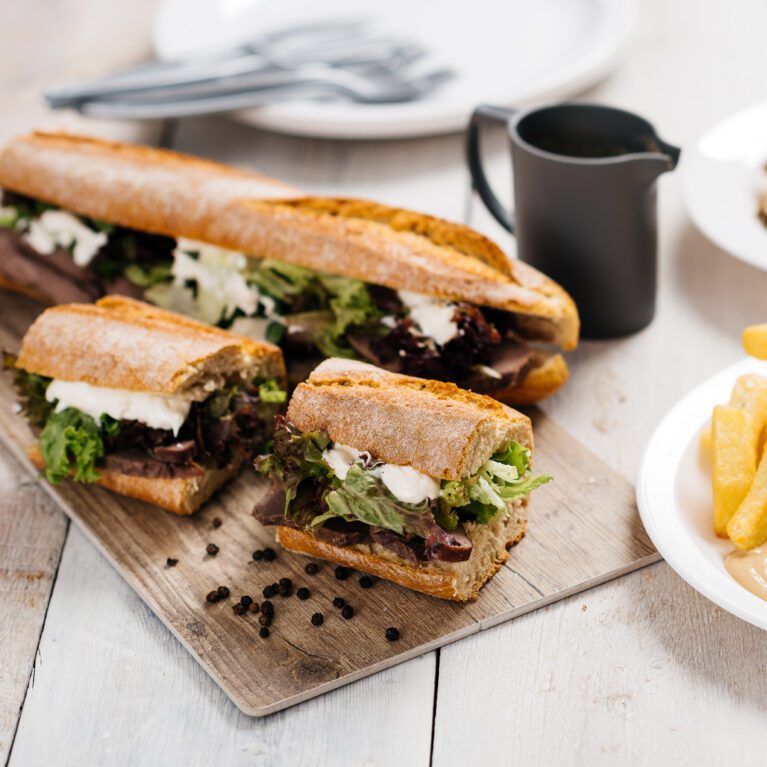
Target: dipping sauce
[[749, 568]]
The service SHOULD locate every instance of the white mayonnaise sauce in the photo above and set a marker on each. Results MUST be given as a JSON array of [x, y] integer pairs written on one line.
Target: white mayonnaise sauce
[[157, 411], [57, 228], [405, 483], [433, 317]]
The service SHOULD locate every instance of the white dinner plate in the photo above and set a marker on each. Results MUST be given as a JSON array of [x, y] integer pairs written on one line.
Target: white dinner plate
[[724, 178], [505, 52], [674, 497]]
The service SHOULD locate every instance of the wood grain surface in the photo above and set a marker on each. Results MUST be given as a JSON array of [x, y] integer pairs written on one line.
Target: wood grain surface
[[584, 530]]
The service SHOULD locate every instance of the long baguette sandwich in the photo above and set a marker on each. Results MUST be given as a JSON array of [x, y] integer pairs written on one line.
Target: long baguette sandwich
[[412, 480], [319, 276], [145, 402]]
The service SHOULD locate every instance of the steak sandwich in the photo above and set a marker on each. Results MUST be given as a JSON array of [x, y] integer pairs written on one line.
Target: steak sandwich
[[145, 402], [412, 480], [321, 277]]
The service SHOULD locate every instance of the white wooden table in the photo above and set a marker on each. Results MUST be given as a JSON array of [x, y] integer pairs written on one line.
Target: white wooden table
[[641, 670]]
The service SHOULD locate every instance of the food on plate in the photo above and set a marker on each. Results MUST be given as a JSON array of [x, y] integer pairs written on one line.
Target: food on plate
[[412, 480], [755, 341], [748, 526], [734, 462], [322, 277], [749, 569], [143, 401]]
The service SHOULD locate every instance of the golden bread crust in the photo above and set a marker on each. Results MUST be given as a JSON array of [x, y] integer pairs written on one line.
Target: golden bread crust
[[433, 426], [126, 344], [548, 374], [182, 495], [165, 192]]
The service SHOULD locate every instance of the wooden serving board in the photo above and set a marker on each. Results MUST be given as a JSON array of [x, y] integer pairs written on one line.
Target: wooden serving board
[[584, 529]]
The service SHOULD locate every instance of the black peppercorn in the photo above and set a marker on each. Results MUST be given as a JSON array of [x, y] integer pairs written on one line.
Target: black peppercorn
[[171, 562], [212, 596], [392, 634], [303, 593], [212, 549], [223, 592], [342, 573], [269, 555], [246, 601], [217, 522], [285, 591], [265, 620], [269, 591], [267, 608], [318, 619], [338, 602], [258, 554], [238, 609], [366, 582], [254, 608], [263, 632], [311, 569], [347, 612], [286, 582]]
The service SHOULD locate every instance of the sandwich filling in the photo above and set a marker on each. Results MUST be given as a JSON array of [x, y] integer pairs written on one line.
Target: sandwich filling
[[346, 496], [84, 428], [310, 314]]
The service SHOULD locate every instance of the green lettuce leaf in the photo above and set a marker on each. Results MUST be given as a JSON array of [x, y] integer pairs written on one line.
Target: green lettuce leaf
[[72, 442], [270, 391], [31, 388]]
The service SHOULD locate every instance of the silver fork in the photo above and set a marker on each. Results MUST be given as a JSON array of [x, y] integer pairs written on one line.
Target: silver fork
[[317, 82]]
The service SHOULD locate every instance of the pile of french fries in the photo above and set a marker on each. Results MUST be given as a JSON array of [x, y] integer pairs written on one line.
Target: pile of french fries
[[736, 443]]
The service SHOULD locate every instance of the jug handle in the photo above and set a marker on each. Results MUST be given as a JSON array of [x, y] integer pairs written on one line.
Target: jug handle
[[486, 114]]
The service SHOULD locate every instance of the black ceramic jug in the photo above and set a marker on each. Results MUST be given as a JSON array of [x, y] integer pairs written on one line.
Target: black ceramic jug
[[584, 205]]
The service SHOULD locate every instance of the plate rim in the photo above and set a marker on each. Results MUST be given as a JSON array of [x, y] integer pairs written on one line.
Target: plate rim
[[715, 585], [617, 21]]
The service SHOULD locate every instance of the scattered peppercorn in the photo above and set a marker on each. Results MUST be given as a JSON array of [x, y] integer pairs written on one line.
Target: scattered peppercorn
[[342, 573], [246, 601], [366, 582], [263, 632], [267, 608], [303, 593], [171, 562], [212, 596], [285, 591], [217, 522], [212, 549], [347, 612], [239, 609], [392, 634], [311, 569], [223, 592], [270, 555], [265, 620], [254, 608], [258, 554], [318, 619], [339, 602], [286, 582], [269, 591]]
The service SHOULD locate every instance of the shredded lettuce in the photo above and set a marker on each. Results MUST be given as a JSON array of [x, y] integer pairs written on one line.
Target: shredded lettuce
[[72, 443], [270, 391]]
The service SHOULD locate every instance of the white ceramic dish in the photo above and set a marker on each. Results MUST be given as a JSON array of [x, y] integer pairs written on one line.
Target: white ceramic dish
[[674, 497], [724, 178], [506, 52]]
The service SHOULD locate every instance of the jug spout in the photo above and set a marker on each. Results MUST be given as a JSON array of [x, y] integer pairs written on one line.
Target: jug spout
[[662, 159]]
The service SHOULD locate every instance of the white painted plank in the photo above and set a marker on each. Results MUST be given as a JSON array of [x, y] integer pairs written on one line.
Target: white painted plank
[[642, 670], [114, 687], [32, 533]]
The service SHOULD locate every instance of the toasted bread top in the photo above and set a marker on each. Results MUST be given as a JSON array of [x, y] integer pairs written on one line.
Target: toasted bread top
[[435, 427], [126, 344], [180, 196]]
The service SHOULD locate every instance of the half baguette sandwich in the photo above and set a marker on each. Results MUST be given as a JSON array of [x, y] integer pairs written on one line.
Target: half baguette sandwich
[[412, 480], [145, 402], [321, 277]]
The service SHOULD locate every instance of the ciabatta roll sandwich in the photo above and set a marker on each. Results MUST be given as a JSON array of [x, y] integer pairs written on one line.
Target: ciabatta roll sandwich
[[145, 402], [319, 276], [408, 479]]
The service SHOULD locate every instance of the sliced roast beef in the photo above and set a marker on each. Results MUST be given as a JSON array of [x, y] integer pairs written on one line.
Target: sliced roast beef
[[178, 452], [395, 543], [138, 463], [448, 547], [338, 532], [270, 509]]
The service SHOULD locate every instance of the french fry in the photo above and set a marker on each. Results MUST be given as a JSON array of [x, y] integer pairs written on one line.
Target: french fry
[[734, 462], [755, 341], [748, 526]]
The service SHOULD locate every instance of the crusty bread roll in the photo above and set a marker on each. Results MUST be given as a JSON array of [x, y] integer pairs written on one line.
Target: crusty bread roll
[[121, 343], [155, 190], [434, 427]]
